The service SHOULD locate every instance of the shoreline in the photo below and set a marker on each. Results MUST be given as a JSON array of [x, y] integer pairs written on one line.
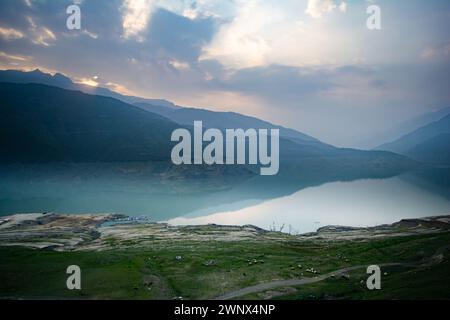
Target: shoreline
[[54, 231]]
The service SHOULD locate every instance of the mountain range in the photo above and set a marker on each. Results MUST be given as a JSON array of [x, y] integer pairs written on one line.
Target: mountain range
[[183, 116], [429, 143], [402, 128], [44, 121], [61, 81]]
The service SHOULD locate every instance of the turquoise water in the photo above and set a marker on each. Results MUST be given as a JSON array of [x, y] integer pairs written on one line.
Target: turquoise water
[[294, 206], [357, 203]]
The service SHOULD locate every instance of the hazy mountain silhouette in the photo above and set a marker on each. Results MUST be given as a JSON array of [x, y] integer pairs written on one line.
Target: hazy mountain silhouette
[[61, 81], [430, 143], [224, 120], [403, 128], [183, 116], [43, 123]]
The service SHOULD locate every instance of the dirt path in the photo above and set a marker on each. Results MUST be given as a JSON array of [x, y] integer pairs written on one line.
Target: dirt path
[[295, 282], [434, 259]]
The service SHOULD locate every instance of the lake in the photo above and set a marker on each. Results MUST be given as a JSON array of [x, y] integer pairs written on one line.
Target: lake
[[358, 203], [291, 206]]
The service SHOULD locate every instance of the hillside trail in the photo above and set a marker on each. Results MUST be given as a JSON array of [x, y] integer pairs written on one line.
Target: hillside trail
[[436, 258]]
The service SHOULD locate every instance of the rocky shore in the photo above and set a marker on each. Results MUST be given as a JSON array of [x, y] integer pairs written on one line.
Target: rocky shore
[[59, 232]]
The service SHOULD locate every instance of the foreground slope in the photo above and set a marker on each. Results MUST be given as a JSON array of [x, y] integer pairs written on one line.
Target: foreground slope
[[156, 261]]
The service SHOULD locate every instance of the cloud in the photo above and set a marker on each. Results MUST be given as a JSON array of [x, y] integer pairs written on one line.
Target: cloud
[[136, 17], [174, 37], [117, 88], [13, 61], [179, 65], [40, 35], [243, 42], [6, 56], [88, 81], [197, 9], [436, 53], [90, 34], [194, 9], [264, 33], [10, 33], [289, 85], [43, 36], [317, 8], [137, 14]]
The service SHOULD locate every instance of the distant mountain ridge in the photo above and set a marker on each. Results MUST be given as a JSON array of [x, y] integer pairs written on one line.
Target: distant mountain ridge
[[430, 143], [180, 115], [402, 128], [42, 124], [224, 120], [61, 81]]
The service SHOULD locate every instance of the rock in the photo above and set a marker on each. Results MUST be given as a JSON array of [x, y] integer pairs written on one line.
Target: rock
[[210, 262]]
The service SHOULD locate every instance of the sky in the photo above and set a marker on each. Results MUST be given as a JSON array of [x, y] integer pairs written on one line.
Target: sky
[[312, 65]]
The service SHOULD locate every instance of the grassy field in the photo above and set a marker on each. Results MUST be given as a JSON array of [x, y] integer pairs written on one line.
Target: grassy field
[[207, 269]]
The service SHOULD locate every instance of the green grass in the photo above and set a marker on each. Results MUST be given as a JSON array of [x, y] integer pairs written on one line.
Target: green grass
[[153, 272], [400, 283]]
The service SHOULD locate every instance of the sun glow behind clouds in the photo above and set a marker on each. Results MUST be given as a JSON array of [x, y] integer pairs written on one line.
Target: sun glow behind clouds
[[264, 33], [88, 81], [243, 42]]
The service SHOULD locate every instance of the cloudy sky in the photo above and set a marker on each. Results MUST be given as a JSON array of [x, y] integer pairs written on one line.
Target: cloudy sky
[[312, 65]]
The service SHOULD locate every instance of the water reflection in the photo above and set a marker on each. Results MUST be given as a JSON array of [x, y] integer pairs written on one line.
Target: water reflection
[[357, 203], [301, 203]]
